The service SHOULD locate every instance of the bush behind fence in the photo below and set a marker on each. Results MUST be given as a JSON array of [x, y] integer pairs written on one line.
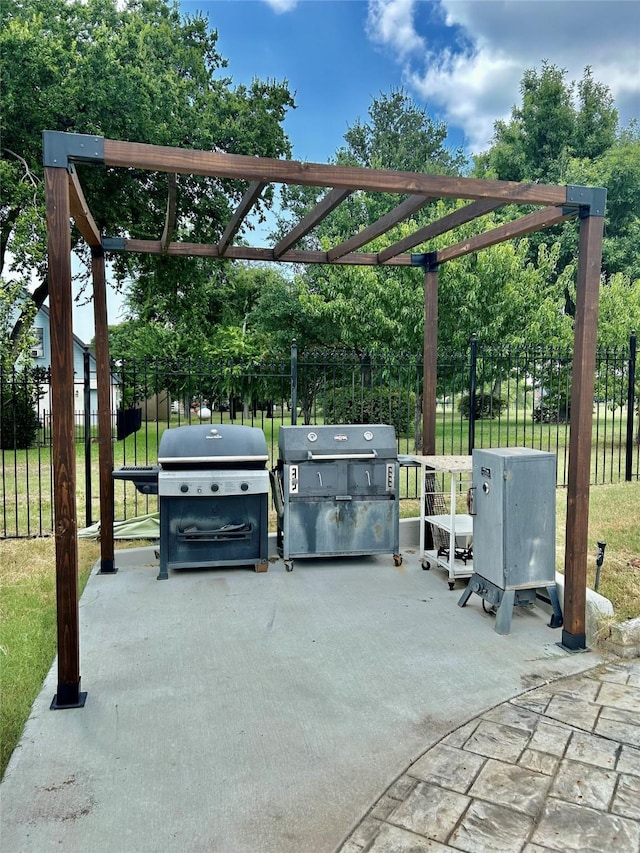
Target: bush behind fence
[[485, 398]]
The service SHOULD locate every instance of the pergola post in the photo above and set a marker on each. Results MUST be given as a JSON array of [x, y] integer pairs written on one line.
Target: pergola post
[[68, 693], [430, 356], [582, 392], [103, 378]]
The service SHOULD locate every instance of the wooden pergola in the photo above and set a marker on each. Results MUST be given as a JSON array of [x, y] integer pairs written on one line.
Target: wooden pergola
[[65, 201]]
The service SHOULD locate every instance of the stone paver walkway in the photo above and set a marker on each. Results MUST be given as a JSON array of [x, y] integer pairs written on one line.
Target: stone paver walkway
[[557, 768]]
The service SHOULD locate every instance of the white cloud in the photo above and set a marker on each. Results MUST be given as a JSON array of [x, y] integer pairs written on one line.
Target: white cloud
[[476, 80], [390, 22], [280, 6]]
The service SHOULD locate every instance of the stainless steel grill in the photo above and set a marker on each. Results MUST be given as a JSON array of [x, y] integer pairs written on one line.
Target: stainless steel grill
[[213, 488], [337, 491]]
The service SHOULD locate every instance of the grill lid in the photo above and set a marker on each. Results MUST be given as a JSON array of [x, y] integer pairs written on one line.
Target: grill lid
[[206, 446], [340, 441]]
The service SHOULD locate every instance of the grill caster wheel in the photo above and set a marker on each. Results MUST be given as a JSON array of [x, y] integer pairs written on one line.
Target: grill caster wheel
[[426, 565], [452, 584], [397, 559], [288, 564]]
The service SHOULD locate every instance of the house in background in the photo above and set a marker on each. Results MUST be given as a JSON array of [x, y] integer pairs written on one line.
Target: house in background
[[41, 355]]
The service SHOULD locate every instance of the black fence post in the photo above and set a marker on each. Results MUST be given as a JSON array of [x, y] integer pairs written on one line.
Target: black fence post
[[473, 366], [87, 435], [294, 383], [631, 398]]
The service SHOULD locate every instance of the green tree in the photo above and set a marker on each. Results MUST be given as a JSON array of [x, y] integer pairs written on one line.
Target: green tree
[[556, 120], [138, 71]]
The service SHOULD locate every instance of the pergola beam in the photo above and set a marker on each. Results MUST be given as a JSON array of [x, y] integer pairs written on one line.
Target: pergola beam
[[247, 253], [246, 203], [453, 220], [517, 228], [170, 216], [137, 155], [80, 212], [408, 207], [323, 209]]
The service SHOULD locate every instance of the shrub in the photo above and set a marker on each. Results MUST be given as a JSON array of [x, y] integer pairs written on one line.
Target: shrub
[[487, 406], [377, 405], [18, 420]]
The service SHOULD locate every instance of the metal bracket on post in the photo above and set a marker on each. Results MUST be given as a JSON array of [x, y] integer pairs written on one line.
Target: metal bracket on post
[[586, 201], [58, 148], [427, 260]]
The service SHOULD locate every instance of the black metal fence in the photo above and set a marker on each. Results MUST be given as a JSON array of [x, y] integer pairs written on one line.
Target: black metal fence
[[485, 398]]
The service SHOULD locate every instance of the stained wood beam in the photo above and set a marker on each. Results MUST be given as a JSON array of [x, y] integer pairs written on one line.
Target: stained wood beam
[[170, 216], [247, 202], [324, 208], [582, 393], [249, 253], [381, 226], [68, 693], [442, 226], [80, 210], [517, 228], [139, 155]]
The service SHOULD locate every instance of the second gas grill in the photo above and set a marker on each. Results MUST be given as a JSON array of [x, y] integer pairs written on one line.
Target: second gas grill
[[337, 491]]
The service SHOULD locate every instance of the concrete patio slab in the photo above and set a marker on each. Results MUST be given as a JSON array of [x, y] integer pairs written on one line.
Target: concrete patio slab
[[231, 711]]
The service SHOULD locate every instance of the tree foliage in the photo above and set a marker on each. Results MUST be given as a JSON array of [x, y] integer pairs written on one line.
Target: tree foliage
[[138, 71]]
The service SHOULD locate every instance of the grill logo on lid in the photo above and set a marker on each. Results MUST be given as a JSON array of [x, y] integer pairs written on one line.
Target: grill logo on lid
[[340, 437]]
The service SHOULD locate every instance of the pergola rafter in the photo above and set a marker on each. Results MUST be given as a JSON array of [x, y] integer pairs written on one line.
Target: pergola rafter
[[65, 199]]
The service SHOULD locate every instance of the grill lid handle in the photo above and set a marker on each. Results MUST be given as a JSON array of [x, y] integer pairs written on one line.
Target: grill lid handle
[[313, 457]]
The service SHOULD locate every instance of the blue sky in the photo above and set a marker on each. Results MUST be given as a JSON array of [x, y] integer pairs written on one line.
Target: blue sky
[[462, 60]]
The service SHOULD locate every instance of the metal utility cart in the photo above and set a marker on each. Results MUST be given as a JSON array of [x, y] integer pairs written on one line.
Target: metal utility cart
[[514, 523], [452, 531]]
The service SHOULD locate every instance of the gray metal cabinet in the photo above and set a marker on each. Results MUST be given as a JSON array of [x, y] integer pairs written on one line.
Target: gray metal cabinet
[[514, 529]]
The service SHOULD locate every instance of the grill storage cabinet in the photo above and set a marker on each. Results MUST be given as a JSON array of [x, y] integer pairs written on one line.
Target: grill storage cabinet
[[337, 491], [514, 530]]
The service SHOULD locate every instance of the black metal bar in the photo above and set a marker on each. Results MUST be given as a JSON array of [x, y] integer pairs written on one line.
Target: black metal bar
[[473, 366], [87, 435], [294, 383], [631, 398]]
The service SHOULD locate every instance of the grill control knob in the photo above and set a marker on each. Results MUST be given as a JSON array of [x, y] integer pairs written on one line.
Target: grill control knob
[[244, 487], [184, 487], [214, 487]]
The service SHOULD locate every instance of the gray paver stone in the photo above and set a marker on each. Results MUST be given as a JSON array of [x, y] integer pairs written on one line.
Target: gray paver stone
[[511, 785], [592, 750], [487, 828], [584, 784], [430, 810], [449, 767], [496, 741], [626, 801], [393, 839], [565, 827]]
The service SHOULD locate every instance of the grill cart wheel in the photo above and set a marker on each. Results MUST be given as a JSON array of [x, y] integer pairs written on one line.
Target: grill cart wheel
[[288, 564], [397, 559], [426, 565]]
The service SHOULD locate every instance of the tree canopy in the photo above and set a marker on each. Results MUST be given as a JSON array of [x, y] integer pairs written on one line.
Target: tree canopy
[[139, 71]]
